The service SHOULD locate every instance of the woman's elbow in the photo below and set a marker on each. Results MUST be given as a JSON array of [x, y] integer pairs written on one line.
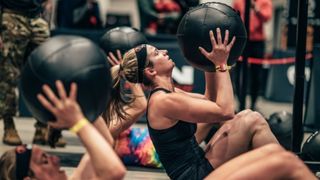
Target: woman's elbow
[[117, 174], [228, 114], [141, 104]]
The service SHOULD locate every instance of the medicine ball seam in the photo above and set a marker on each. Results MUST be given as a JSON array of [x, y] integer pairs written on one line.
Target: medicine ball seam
[[57, 50], [94, 67]]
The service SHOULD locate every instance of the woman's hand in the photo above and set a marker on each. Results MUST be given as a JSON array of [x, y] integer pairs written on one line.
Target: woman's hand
[[113, 60], [65, 108], [220, 50]]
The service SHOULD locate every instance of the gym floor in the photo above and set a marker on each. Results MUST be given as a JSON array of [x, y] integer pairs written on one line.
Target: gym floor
[[71, 153]]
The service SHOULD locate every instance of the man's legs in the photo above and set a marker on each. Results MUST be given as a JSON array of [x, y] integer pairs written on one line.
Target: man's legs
[[40, 33], [15, 39]]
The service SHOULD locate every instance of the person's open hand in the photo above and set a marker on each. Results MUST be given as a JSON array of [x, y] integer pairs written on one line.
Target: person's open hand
[[113, 60], [65, 107], [220, 49]]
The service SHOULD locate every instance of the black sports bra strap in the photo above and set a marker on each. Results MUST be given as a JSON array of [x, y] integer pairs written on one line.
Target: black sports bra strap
[[152, 92], [159, 89]]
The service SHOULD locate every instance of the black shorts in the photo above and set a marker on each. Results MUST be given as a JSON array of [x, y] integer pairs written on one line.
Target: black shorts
[[197, 171]]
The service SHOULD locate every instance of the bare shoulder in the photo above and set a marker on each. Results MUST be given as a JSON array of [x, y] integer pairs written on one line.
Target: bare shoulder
[[162, 100]]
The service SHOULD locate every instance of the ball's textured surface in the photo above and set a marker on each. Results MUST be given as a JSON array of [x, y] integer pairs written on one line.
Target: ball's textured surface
[[122, 38], [69, 59], [193, 31]]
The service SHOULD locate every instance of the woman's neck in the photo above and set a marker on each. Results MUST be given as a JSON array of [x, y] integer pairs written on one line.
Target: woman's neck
[[164, 82]]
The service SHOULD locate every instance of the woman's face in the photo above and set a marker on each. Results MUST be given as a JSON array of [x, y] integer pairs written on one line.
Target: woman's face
[[160, 60], [45, 166]]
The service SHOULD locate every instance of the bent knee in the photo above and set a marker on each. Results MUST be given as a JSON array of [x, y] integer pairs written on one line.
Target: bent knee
[[255, 120]]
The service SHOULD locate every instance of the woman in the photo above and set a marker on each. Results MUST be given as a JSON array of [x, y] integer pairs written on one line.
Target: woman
[[110, 124], [32, 163], [27, 163], [173, 113], [129, 107]]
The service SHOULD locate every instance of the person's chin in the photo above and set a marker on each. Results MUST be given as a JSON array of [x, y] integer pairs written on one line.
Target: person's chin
[[63, 175]]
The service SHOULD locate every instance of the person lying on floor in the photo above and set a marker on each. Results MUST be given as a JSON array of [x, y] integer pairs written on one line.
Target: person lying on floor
[[31, 162]]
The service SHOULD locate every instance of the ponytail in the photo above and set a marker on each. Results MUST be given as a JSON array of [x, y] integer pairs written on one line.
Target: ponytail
[[119, 99]]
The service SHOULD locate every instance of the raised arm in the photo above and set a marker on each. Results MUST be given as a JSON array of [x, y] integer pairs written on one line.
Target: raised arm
[[187, 108], [135, 109], [220, 106], [106, 163], [218, 84], [194, 95]]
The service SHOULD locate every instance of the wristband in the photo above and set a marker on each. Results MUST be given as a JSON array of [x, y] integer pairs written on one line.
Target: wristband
[[222, 68], [79, 125]]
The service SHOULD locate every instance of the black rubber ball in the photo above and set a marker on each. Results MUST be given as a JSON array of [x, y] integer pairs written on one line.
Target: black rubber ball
[[69, 59], [193, 31], [281, 125], [311, 148], [122, 38]]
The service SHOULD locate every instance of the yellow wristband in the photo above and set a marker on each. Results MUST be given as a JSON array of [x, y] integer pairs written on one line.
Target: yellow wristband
[[79, 125]]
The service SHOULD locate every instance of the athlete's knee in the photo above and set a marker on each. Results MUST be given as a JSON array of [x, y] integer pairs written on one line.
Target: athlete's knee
[[255, 121]]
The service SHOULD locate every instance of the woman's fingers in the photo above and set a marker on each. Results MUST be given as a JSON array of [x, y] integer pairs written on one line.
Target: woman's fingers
[[46, 103], [219, 38], [111, 61], [204, 52], [61, 90], [73, 91], [113, 58], [230, 45], [226, 37], [212, 39], [50, 94], [119, 55]]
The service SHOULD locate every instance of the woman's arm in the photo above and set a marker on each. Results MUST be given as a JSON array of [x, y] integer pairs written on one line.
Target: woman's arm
[[85, 169], [218, 84], [106, 164], [135, 110], [218, 89], [183, 107], [102, 127], [194, 95], [104, 160]]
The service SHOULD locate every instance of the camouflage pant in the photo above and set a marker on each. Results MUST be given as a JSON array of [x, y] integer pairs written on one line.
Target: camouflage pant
[[17, 33]]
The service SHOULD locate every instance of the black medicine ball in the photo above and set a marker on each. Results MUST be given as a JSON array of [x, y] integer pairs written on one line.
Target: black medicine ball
[[281, 125], [122, 38], [311, 148], [193, 31], [69, 59]]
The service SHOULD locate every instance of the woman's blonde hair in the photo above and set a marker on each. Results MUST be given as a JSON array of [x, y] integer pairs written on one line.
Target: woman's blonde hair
[[8, 165], [127, 70]]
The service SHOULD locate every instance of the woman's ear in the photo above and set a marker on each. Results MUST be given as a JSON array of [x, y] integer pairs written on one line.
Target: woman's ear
[[150, 72]]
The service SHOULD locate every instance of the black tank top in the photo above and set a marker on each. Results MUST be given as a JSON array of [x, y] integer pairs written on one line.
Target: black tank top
[[178, 149]]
